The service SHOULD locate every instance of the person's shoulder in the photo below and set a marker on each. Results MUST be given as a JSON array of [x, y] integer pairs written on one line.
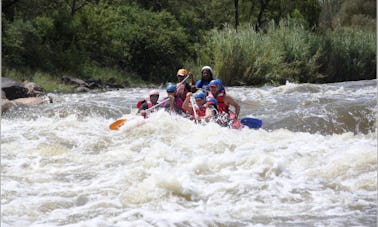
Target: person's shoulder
[[144, 106]]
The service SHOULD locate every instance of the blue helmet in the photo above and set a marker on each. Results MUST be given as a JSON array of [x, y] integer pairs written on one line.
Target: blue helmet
[[217, 83], [200, 95], [171, 87], [211, 101], [213, 83]]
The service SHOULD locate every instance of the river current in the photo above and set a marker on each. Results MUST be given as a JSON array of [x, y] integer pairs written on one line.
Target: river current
[[313, 163]]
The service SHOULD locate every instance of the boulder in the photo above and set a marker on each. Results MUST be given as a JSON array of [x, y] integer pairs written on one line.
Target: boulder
[[74, 81], [15, 94], [13, 89], [33, 89], [7, 105], [94, 83]]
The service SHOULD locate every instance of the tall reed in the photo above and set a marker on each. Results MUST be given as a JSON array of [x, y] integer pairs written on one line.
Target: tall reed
[[289, 52]]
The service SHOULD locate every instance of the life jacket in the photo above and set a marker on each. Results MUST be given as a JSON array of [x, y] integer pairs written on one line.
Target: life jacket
[[140, 103], [222, 107], [201, 111]]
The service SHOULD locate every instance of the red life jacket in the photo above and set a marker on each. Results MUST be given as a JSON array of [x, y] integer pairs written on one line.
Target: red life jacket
[[201, 111], [222, 107], [140, 103]]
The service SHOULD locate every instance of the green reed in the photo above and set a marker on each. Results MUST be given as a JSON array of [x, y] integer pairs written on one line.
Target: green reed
[[289, 52]]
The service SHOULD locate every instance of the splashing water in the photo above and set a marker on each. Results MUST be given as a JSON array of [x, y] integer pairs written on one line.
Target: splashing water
[[314, 162]]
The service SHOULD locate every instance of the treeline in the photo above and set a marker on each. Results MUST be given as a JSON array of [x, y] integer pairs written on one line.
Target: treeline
[[246, 42]]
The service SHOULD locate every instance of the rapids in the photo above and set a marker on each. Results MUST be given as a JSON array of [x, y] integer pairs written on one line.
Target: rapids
[[313, 163]]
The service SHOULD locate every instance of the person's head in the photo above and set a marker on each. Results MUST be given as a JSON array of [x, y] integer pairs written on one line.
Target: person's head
[[215, 86], [200, 98], [171, 88], [154, 96], [207, 73], [210, 101], [181, 74]]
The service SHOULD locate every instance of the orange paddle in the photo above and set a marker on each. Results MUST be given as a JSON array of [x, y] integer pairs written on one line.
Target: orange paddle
[[117, 124]]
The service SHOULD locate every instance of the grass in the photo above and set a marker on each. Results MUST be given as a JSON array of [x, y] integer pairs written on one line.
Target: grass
[[53, 83], [289, 52]]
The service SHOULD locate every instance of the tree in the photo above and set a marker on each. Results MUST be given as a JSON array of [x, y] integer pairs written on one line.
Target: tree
[[236, 4]]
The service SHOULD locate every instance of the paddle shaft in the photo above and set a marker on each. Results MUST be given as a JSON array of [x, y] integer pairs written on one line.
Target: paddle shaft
[[194, 108]]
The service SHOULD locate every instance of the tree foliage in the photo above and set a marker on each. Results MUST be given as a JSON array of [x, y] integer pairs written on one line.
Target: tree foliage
[[152, 39]]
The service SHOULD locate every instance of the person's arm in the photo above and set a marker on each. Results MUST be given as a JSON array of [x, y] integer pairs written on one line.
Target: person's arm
[[210, 113], [142, 109], [171, 103], [230, 101], [191, 76], [198, 84], [193, 87], [186, 105]]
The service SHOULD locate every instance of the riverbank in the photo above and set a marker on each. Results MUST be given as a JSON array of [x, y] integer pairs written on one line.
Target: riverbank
[[109, 79]]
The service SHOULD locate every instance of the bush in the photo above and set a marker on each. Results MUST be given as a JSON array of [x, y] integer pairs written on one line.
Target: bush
[[289, 52]]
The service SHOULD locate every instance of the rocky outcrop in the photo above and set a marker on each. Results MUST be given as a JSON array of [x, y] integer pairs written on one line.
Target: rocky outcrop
[[15, 94], [92, 83], [13, 89]]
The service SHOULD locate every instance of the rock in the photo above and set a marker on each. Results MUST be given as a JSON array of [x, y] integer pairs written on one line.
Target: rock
[[31, 101], [33, 89], [94, 83], [15, 94], [74, 81], [3, 96], [13, 89], [82, 89], [7, 105]]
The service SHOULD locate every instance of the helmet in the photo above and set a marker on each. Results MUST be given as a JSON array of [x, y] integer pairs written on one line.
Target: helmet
[[220, 85], [182, 72], [214, 83], [211, 101], [171, 87], [200, 95], [217, 83], [208, 68], [153, 92]]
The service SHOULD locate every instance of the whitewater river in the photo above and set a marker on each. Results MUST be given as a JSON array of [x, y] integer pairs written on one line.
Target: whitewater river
[[314, 162]]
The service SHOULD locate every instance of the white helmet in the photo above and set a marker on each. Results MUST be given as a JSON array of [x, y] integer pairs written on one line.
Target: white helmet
[[208, 68], [153, 92]]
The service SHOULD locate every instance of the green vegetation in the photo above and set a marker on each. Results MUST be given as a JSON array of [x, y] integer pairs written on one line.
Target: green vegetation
[[288, 52], [135, 41]]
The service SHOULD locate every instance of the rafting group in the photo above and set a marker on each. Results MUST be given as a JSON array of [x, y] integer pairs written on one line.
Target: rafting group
[[202, 101]]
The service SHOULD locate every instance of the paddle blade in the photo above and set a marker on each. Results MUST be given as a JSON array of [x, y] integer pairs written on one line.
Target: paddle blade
[[251, 122], [117, 124]]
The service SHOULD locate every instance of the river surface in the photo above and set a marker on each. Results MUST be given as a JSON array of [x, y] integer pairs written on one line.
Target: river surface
[[313, 163]]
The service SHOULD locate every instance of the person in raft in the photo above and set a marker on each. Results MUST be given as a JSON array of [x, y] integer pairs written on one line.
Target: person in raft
[[171, 105], [183, 87], [205, 108], [206, 76], [224, 101], [143, 105]]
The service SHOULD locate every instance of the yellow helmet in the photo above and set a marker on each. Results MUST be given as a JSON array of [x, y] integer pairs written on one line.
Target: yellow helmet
[[182, 72]]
